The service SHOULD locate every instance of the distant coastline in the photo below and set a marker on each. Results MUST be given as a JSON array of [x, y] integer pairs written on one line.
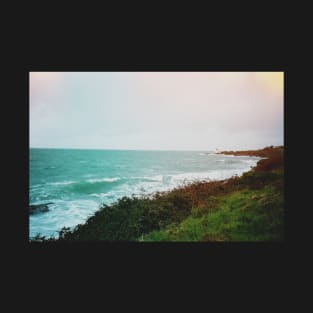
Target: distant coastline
[[265, 152]]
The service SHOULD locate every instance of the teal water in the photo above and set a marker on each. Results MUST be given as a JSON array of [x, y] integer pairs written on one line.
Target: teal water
[[73, 183]]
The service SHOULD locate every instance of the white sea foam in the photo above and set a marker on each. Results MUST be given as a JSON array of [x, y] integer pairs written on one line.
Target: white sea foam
[[62, 214], [207, 176], [250, 162], [167, 182], [103, 194], [105, 179], [36, 186], [154, 178], [69, 182]]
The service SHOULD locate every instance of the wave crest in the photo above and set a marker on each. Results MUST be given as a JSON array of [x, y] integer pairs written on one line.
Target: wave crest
[[104, 179]]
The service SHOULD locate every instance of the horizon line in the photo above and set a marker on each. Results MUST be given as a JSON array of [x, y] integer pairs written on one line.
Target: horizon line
[[119, 149]]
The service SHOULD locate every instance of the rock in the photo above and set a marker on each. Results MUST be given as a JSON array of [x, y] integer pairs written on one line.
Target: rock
[[39, 208]]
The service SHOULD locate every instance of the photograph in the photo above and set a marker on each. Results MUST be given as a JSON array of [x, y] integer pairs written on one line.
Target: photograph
[[156, 156]]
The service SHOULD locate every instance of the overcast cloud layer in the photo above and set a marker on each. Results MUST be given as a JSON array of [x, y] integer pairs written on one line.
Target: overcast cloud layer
[[156, 110]]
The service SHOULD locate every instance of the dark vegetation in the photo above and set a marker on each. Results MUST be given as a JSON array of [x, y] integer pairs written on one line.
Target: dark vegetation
[[246, 208]]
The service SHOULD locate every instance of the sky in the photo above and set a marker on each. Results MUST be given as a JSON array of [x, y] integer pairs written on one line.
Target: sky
[[156, 110]]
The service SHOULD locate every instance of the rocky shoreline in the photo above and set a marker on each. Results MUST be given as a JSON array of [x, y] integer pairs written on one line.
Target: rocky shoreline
[[39, 208]]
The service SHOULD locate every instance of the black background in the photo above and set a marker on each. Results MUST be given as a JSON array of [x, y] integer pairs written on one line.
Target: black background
[[65, 40]]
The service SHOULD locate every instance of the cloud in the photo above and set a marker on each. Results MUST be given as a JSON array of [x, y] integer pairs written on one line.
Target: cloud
[[155, 109]]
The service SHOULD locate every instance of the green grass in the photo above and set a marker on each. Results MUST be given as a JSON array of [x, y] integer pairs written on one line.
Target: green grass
[[245, 215]]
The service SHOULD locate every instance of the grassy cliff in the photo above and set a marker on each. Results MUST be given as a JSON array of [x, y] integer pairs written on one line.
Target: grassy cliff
[[246, 208], [251, 208]]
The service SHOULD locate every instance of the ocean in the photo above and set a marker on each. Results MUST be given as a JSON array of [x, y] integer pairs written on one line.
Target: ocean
[[71, 184]]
